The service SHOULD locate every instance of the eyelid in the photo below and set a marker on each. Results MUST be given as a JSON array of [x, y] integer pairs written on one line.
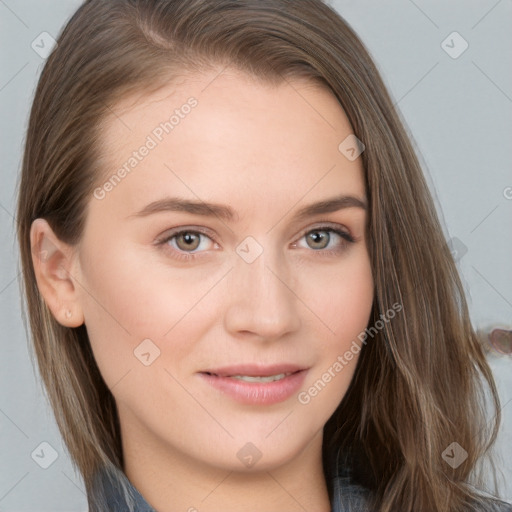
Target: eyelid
[[327, 226], [167, 235], [319, 225]]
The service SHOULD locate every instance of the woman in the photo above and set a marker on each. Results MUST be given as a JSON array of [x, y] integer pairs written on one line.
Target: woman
[[238, 288]]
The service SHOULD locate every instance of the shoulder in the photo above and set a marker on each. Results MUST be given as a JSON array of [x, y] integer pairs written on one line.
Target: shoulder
[[352, 485], [492, 505], [351, 497]]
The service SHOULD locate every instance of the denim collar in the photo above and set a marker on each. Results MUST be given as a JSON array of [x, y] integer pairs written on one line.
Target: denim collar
[[113, 492]]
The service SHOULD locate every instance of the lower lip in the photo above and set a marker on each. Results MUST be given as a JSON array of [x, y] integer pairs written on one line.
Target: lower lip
[[258, 393]]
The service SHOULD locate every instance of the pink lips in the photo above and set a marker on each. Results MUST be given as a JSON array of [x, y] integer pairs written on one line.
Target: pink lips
[[257, 393]]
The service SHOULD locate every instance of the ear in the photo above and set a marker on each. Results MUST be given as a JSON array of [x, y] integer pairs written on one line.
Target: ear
[[55, 267]]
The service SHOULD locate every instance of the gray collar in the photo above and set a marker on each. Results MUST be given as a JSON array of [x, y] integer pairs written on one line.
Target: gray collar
[[113, 492]]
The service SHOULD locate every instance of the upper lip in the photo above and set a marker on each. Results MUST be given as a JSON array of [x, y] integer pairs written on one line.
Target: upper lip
[[255, 370]]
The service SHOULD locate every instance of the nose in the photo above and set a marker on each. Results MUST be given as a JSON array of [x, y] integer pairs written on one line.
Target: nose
[[261, 303]]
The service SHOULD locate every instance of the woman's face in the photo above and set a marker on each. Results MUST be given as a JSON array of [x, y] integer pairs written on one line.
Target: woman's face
[[218, 248]]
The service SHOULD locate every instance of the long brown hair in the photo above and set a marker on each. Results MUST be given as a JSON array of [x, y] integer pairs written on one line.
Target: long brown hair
[[420, 381]]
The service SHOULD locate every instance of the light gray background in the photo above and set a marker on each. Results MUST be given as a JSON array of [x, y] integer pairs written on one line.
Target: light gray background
[[459, 112]]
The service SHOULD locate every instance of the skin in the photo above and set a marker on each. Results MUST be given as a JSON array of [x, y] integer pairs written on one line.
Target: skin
[[266, 152]]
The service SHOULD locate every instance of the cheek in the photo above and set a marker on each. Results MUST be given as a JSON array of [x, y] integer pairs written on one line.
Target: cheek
[[344, 307], [352, 303], [129, 301], [341, 297]]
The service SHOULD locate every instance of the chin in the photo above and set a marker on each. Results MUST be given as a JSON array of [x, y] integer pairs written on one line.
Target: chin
[[260, 453]]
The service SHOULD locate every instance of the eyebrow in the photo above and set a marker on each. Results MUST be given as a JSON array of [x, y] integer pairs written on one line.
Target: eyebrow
[[176, 204]]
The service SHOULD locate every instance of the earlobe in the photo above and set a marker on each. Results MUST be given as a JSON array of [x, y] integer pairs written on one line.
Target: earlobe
[[54, 265]]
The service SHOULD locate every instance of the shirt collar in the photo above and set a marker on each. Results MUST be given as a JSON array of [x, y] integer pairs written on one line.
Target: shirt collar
[[113, 491]]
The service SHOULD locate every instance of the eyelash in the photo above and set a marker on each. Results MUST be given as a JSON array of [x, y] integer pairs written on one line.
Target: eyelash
[[188, 256]]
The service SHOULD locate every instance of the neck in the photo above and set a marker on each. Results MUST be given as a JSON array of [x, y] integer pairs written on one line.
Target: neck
[[172, 481]]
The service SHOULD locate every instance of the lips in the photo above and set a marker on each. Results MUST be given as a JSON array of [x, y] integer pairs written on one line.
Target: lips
[[252, 370], [251, 384]]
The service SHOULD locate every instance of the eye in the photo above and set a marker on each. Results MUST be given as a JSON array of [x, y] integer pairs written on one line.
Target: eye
[[185, 243], [187, 240], [325, 239]]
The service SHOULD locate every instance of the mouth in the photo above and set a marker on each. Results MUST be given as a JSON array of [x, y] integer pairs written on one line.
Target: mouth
[[256, 385], [255, 378], [249, 371]]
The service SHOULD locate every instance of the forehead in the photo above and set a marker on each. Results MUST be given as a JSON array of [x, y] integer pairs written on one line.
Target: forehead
[[227, 135]]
